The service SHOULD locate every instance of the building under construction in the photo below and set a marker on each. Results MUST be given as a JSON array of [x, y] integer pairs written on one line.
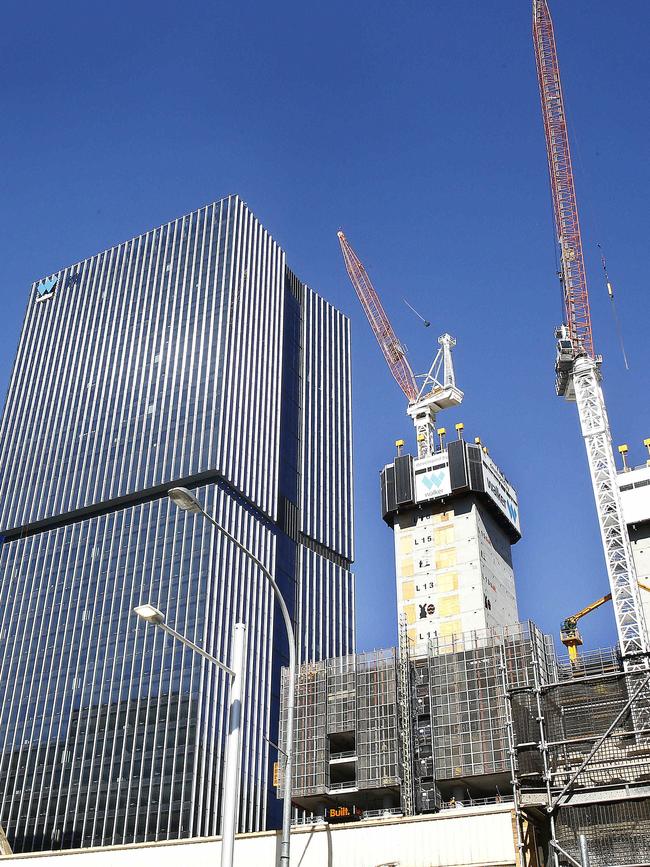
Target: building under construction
[[346, 738], [389, 731], [489, 715], [483, 705]]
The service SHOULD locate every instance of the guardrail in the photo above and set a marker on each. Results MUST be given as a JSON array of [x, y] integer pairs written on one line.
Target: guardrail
[[378, 814], [476, 802]]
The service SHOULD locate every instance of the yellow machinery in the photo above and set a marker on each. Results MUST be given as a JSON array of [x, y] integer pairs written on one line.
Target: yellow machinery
[[569, 632]]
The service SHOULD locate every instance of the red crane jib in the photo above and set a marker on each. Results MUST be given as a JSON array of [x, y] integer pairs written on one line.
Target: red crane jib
[[565, 205], [379, 322]]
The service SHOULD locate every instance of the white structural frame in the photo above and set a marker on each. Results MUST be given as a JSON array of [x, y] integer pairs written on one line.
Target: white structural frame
[[438, 392], [626, 599], [628, 611]]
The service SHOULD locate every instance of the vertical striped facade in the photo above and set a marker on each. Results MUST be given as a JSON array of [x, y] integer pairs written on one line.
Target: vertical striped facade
[[192, 356]]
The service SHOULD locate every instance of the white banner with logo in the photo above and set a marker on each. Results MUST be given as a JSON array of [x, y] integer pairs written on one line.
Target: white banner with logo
[[501, 491], [432, 483]]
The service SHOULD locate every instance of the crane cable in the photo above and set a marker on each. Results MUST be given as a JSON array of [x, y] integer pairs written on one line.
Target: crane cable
[[595, 225], [556, 252], [610, 292], [410, 306]]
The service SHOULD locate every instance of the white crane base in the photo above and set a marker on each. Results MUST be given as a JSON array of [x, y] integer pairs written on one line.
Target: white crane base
[[443, 397], [438, 392], [424, 411]]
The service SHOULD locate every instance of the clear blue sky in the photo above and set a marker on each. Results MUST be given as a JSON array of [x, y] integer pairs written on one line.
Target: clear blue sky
[[416, 127]]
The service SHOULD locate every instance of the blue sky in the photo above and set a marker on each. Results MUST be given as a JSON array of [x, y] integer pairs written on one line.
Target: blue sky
[[416, 127]]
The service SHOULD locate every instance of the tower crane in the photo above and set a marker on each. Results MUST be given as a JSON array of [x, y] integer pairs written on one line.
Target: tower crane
[[570, 634], [438, 390], [578, 376]]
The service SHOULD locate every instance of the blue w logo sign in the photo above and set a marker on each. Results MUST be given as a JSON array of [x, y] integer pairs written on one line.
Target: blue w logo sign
[[433, 480], [46, 287]]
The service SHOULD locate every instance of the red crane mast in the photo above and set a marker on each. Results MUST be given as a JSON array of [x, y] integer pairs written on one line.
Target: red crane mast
[[565, 205]]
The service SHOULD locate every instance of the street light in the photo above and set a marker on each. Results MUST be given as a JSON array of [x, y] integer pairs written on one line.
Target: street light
[[149, 613], [230, 808], [186, 500]]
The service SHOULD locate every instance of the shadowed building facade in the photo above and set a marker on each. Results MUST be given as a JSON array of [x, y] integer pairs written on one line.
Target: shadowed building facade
[[190, 355]]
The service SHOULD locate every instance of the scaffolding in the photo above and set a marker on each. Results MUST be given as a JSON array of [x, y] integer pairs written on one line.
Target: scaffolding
[[618, 832], [377, 729], [387, 729], [578, 761], [405, 723], [460, 710], [346, 731]]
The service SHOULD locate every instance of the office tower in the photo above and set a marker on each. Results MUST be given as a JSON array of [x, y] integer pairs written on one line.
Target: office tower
[[190, 355], [455, 517]]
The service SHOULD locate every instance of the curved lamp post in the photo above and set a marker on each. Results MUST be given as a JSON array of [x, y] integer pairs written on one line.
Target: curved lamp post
[[230, 807], [186, 500]]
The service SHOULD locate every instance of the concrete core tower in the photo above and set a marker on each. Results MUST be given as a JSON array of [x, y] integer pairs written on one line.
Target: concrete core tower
[[455, 518]]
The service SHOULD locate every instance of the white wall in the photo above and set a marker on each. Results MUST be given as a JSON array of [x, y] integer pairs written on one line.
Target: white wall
[[467, 837], [636, 510]]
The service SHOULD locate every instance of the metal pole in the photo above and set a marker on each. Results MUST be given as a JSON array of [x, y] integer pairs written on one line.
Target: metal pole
[[584, 852], [230, 806], [291, 693], [558, 850], [288, 759], [195, 647]]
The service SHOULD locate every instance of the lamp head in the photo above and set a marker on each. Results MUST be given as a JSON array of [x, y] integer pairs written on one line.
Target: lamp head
[[185, 500], [149, 613]]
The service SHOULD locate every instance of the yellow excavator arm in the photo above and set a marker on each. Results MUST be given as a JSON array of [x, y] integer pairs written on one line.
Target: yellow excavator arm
[[569, 632]]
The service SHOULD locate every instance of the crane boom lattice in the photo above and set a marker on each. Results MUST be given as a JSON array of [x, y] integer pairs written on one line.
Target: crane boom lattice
[[565, 204], [438, 390], [379, 322]]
